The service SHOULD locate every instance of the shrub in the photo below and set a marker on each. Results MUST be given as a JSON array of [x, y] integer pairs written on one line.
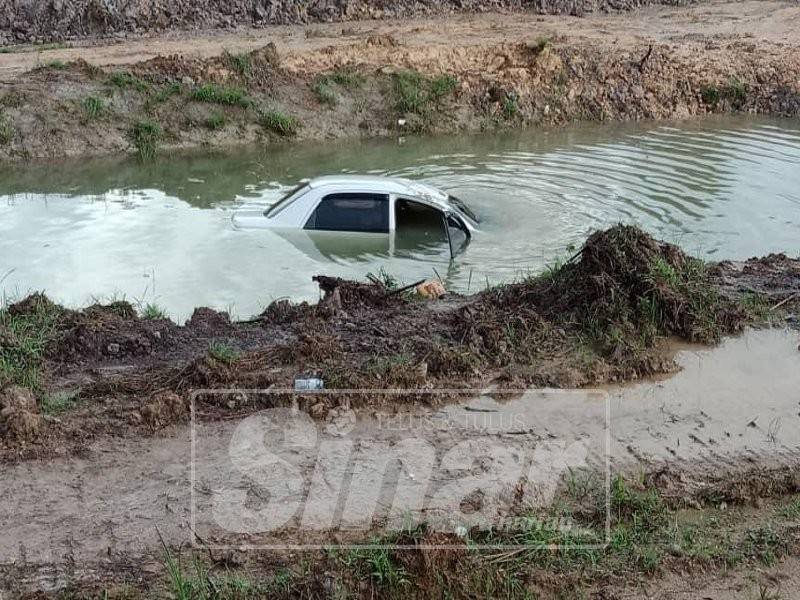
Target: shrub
[[144, 136], [280, 123]]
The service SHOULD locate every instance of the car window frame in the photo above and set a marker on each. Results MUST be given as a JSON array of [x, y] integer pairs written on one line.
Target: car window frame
[[384, 197]]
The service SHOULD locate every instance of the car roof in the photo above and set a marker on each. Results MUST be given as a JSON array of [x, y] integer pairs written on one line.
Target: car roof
[[384, 185]]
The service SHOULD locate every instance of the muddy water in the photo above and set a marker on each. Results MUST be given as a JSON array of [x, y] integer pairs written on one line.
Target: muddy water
[[163, 233], [738, 401]]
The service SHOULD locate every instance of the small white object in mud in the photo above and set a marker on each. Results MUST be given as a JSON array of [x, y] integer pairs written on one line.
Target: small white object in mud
[[461, 531], [309, 383]]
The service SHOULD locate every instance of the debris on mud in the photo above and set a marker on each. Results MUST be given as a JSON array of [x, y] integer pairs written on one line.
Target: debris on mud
[[601, 316], [20, 418]]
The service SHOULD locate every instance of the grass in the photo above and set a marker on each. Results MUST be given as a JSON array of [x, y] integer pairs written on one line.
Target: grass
[[166, 92], [323, 86], [13, 99], [323, 92], [93, 106], [6, 129], [510, 107], [734, 92], [215, 94], [241, 63], [56, 65], [127, 80], [56, 403], [216, 121], [152, 312], [24, 340], [415, 95], [280, 123], [145, 136], [222, 352], [550, 546]]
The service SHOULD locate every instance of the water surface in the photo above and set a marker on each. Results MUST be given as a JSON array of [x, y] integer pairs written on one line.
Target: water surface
[[163, 233]]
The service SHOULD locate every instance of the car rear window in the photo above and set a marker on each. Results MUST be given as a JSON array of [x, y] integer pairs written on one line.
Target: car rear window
[[351, 212]]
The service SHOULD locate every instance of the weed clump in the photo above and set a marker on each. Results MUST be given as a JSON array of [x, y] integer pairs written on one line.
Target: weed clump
[[124, 80], [241, 63], [26, 330], [215, 94], [145, 136], [93, 106], [419, 97], [6, 129], [734, 92], [280, 123]]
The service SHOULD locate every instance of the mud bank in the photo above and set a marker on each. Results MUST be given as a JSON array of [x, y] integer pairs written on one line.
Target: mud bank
[[26, 21], [603, 317], [383, 83]]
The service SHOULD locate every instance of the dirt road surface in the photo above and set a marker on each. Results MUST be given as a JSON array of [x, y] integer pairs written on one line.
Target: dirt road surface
[[730, 409], [688, 28]]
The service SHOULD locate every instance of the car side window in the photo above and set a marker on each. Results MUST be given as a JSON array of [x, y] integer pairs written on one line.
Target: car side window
[[351, 212]]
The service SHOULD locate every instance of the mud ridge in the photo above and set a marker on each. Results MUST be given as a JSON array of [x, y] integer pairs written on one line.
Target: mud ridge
[[602, 317]]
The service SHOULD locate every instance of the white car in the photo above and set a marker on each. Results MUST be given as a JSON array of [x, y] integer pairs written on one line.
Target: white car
[[364, 204]]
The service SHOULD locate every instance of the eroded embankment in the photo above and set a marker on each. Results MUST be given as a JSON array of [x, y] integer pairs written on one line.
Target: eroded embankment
[[23, 21], [377, 87], [601, 317]]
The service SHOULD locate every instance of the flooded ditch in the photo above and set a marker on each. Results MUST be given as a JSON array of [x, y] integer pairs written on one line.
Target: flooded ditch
[[163, 234]]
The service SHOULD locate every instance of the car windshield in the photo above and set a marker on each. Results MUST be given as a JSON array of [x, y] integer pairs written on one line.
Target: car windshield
[[463, 208], [284, 201]]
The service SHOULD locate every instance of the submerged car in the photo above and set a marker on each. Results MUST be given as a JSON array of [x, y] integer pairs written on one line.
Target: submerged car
[[365, 204]]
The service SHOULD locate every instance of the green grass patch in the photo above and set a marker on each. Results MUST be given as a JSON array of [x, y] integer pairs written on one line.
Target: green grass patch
[[323, 92], [734, 92], [222, 352], [55, 65], [280, 123], [56, 403], [216, 94], [6, 129], [24, 339], [510, 108], [347, 78], [152, 311], [215, 121], [241, 62], [145, 137], [93, 106], [126, 80], [417, 96], [166, 92]]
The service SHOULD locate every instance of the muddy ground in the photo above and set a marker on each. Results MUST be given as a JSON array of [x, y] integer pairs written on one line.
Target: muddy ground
[[404, 77], [96, 442]]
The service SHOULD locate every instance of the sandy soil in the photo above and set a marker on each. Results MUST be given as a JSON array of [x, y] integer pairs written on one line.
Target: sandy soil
[[687, 28]]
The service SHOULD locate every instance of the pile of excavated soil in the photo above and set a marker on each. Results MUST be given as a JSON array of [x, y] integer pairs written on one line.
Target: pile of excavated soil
[[34, 21], [600, 317]]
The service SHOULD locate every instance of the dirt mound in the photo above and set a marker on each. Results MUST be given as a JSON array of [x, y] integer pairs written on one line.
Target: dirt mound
[[210, 321], [32, 305], [20, 419], [112, 331], [622, 292], [23, 20]]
